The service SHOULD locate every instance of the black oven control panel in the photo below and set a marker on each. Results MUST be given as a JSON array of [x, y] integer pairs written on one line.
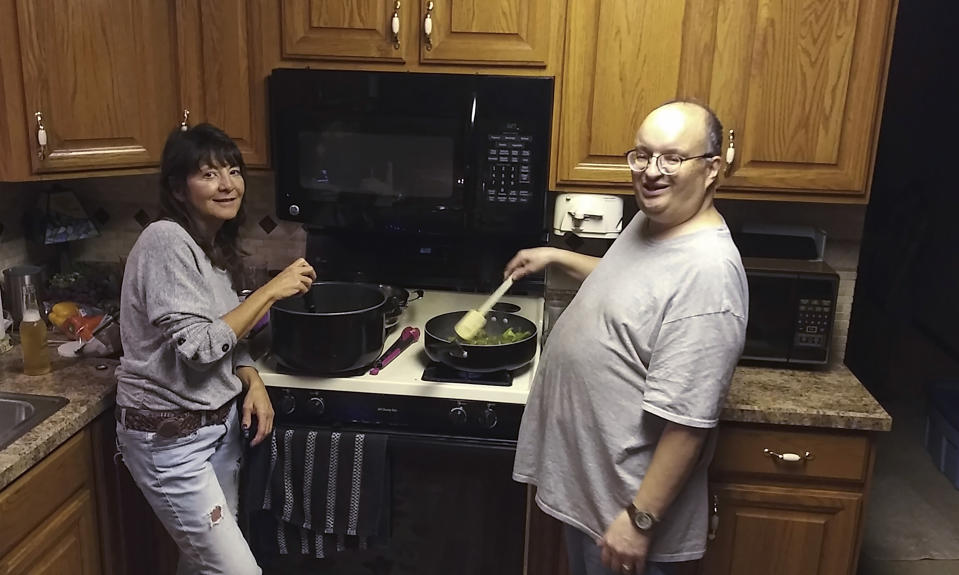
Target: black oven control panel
[[381, 413], [509, 179]]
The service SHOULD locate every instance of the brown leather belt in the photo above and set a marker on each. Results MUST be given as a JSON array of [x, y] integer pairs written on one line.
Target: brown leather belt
[[170, 423]]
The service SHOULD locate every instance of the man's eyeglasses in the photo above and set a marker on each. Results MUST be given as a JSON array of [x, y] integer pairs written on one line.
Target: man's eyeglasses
[[668, 164]]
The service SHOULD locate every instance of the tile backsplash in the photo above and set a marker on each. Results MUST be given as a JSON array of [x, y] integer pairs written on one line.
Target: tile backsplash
[[122, 206]]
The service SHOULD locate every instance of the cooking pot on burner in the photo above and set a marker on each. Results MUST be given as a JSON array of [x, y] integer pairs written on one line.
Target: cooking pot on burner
[[336, 327], [442, 345], [396, 300]]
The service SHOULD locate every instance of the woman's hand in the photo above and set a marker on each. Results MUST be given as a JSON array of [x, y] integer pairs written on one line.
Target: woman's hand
[[624, 548], [529, 261], [297, 278], [256, 402]]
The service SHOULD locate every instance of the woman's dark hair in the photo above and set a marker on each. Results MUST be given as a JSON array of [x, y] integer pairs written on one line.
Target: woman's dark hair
[[183, 155]]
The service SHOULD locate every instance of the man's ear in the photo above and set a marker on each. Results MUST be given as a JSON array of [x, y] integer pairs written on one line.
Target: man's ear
[[714, 166]]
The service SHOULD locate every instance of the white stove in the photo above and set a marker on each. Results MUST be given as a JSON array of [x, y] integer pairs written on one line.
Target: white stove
[[404, 375]]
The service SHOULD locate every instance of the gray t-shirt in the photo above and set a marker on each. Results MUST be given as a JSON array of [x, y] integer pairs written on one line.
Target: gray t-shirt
[[653, 334], [177, 352]]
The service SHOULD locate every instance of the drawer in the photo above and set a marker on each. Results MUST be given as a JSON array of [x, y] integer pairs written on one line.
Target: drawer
[[831, 455]]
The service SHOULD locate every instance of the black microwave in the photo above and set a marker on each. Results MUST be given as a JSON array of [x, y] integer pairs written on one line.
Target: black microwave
[[792, 307], [411, 153]]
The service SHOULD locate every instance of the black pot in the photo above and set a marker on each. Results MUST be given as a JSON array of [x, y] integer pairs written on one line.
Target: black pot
[[443, 347], [336, 327], [396, 300]]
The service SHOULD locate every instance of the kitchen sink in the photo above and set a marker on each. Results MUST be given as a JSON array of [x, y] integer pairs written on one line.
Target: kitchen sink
[[21, 412]]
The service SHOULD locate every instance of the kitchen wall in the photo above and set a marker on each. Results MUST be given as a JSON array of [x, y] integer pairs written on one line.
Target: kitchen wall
[[122, 206], [13, 248]]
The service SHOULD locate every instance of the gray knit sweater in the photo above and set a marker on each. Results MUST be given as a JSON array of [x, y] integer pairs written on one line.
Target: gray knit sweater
[[177, 352]]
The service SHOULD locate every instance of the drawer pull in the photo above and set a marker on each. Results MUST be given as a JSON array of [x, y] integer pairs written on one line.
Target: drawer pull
[[791, 457]]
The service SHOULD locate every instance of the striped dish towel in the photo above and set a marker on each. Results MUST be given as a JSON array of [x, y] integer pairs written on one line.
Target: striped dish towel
[[325, 491]]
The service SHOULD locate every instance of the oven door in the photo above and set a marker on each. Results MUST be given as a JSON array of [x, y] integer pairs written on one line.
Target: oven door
[[454, 509]]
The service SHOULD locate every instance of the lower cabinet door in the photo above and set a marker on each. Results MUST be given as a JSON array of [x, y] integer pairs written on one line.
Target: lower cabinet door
[[787, 531], [66, 542]]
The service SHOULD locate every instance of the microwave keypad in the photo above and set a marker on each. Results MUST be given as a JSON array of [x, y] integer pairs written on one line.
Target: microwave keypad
[[508, 162], [812, 325]]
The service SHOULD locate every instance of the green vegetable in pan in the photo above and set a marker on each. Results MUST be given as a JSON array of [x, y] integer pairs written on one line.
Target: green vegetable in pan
[[508, 336]]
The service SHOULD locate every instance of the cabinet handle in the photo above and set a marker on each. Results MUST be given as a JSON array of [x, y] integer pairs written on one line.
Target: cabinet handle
[[41, 136], [395, 25], [731, 152], [791, 457], [184, 125], [428, 26], [714, 520]]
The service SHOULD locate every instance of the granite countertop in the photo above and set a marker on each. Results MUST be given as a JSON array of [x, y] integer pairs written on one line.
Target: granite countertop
[[831, 398], [90, 392]]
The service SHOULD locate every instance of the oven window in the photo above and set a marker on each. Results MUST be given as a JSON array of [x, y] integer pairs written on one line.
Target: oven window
[[387, 165]]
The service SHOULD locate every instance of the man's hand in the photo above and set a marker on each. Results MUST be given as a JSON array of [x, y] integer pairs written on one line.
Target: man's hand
[[624, 548], [256, 402]]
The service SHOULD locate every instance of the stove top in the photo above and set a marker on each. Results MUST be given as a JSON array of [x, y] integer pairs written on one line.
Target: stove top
[[410, 374]]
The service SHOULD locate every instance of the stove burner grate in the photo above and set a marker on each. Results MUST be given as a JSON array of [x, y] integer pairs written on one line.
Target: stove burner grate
[[445, 374]]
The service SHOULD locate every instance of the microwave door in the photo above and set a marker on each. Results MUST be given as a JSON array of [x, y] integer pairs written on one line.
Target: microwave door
[[772, 317]]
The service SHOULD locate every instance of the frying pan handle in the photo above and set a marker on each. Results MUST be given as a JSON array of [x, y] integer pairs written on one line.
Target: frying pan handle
[[454, 349]]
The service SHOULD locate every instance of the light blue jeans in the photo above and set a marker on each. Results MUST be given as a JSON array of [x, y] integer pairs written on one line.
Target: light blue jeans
[[192, 484], [585, 556]]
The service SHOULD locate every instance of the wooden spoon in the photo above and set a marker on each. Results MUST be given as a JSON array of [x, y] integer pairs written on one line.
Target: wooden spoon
[[474, 320]]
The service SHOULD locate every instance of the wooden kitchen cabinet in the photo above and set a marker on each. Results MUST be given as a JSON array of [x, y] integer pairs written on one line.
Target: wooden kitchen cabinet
[[474, 32], [783, 530], [99, 73], [800, 83], [220, 56], [50, 515], [787, 517]]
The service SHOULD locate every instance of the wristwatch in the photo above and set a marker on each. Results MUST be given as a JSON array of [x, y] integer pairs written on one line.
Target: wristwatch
[[644, 521]]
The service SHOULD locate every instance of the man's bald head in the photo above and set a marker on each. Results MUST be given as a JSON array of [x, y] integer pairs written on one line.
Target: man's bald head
[[711, 126]]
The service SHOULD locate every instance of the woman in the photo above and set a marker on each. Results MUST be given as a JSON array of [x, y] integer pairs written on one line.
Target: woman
[[184, 364]]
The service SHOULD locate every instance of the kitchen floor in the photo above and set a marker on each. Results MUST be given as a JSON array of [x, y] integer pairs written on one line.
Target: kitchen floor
[[898, 449]]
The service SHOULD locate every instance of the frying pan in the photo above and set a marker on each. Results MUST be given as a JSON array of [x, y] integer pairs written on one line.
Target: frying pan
[[442, 345]]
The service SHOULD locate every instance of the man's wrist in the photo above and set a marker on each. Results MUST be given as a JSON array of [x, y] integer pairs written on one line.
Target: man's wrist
[[644, 521]]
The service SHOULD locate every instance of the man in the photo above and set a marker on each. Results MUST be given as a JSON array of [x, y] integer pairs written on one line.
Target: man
[[617, 430]]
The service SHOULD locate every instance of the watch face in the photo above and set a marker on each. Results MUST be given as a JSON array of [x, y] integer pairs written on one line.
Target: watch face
[[643, 520]]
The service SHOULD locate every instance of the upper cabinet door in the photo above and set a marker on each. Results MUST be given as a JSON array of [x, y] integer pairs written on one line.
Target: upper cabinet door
[[800, 82], [356, 30], [623, 59], [99, 73], [488, 32], [219, 78]]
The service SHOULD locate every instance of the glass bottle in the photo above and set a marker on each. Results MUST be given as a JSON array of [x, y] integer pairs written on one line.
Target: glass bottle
[[33, 335]]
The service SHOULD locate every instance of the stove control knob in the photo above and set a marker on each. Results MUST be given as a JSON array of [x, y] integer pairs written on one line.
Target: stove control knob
[[317, 405], [458, 415], [286, 404], [489, 418]]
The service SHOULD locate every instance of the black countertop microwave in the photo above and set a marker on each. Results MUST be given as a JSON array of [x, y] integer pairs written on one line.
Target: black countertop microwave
[[792, 306]]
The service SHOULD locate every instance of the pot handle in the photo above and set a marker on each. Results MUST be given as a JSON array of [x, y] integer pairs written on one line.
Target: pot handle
[[419, 294]]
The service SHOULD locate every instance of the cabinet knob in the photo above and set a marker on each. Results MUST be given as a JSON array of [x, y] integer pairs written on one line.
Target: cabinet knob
[[790, 457], [395, 25], [731, 152], [184, 125], [41, 136], [428, 26]]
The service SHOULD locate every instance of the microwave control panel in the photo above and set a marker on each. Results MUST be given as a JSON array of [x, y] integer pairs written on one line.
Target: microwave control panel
[[812, 323], [508, 178]]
